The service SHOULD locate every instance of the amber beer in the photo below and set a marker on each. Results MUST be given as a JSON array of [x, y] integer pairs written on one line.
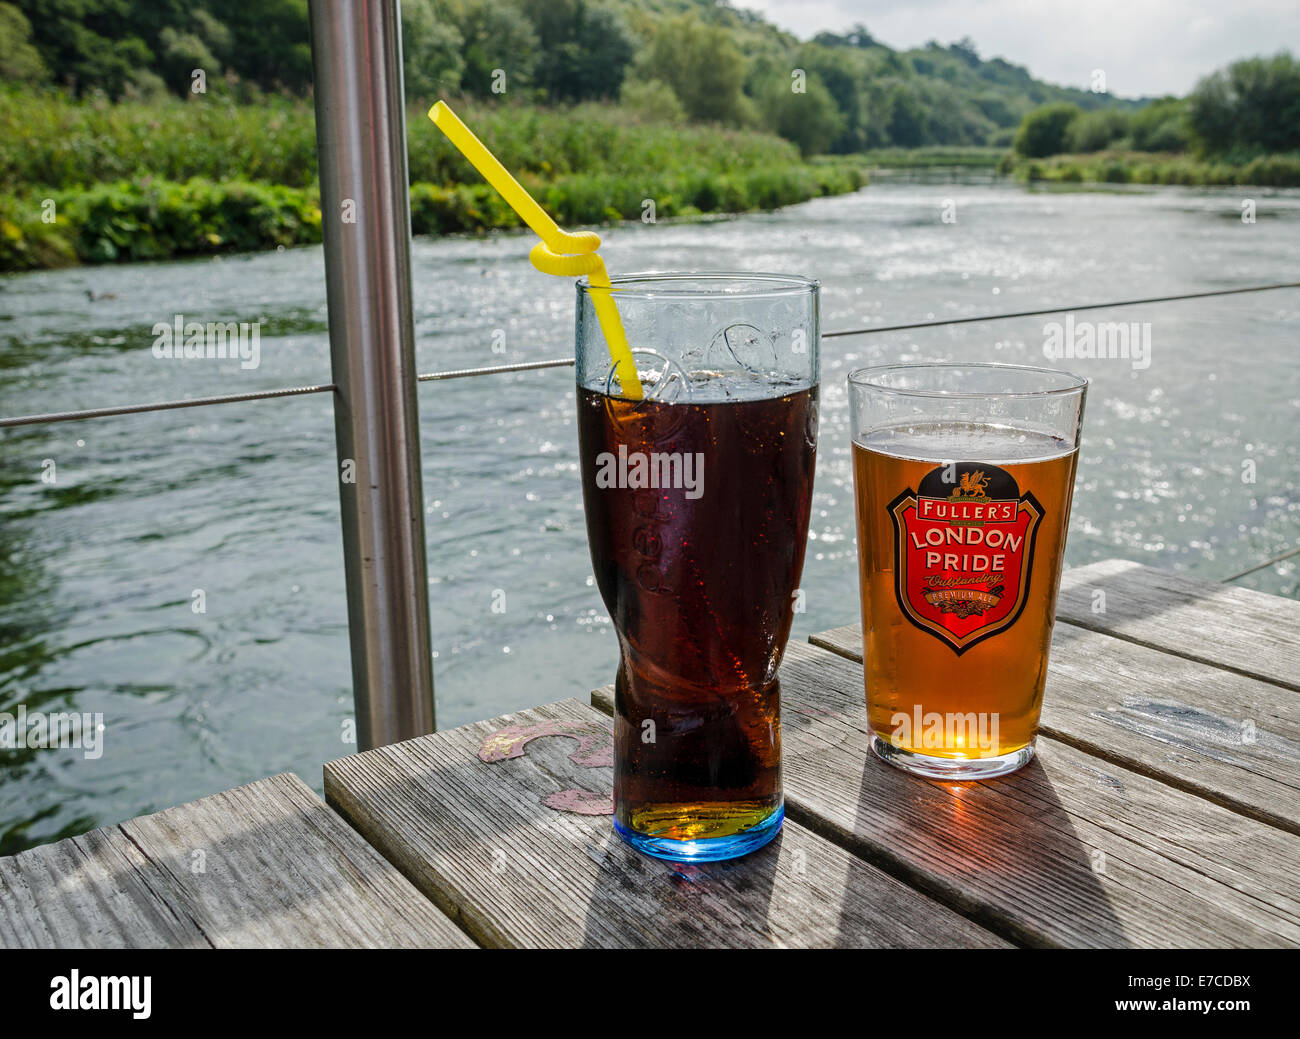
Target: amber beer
[[961, 533]]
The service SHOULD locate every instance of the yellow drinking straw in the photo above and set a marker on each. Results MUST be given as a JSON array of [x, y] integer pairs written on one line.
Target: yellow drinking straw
[[562, 253]]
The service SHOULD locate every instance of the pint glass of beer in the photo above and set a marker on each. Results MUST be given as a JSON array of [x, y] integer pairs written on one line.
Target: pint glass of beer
[[697, 498], [963, 475]]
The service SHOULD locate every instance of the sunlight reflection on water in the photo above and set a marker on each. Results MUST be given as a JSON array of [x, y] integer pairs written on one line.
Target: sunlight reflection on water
[[98, 571]]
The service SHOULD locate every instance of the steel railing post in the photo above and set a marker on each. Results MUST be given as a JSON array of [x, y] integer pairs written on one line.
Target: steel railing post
[[366, 225]]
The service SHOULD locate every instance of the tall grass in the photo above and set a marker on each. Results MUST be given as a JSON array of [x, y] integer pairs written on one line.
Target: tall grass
[[49, 142], [926, 158], [138, 181]]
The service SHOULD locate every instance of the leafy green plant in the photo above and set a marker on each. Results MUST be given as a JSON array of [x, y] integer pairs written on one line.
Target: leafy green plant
[[151, 220], [147, 219], [1045, 130]]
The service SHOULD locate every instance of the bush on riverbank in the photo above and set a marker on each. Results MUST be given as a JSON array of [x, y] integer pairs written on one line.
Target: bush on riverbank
[[1116, 167], [154, 220], [602, 198]]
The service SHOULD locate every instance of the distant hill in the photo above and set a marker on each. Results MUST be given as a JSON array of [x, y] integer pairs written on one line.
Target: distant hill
[[700, 60]]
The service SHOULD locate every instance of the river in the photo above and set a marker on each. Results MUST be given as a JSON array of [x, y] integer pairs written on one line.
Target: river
[[1188, 463]]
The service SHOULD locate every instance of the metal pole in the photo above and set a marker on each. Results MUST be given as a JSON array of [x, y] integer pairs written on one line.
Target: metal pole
[[361, 143]]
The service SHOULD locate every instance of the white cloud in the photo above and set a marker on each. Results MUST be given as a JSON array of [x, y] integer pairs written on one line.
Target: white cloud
[[1144, 46]]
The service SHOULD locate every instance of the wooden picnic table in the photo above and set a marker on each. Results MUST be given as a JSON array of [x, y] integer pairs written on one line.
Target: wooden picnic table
[[1163, 810]]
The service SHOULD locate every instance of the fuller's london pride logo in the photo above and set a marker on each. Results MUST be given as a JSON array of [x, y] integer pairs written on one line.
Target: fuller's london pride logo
[[963, 552]]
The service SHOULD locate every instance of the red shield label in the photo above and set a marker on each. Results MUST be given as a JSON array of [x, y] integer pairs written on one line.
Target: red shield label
[[964, 552]]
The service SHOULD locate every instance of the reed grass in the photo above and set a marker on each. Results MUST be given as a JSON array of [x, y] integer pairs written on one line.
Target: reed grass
[[136, 181]]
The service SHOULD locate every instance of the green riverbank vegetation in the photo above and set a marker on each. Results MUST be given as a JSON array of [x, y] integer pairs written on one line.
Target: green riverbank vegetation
[[1240, 126], [160, 128], [182, 179], [180, 127]]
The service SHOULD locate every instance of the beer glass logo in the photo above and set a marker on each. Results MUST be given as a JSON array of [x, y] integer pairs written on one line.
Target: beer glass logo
[[964, 552]]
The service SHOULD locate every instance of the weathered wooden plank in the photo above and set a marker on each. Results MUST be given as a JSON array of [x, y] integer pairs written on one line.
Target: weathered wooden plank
[[91, 891], [480, 840], [1215, 733], [1070, 851], [263, 865], [1230, 627]]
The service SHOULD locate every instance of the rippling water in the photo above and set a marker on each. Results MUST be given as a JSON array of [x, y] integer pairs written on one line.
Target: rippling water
[[98, 570]]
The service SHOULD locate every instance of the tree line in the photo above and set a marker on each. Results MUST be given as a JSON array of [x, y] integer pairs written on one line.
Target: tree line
[[1250, 107], [666, 60]]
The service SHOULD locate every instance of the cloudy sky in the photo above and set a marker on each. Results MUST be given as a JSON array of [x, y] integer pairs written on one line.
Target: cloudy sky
[[1144, 46]]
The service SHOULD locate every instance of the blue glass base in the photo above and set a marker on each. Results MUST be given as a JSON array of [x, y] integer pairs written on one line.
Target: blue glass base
[[709, 849]]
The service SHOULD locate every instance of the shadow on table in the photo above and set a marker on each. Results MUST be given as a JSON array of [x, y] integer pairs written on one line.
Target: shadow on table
[[1005, 852], [1002, 852], [683, 905]]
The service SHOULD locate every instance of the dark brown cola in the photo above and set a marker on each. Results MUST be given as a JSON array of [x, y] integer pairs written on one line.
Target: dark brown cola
[[697, 517]]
